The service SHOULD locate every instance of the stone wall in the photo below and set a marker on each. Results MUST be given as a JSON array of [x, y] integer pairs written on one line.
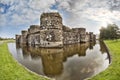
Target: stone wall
[[33, 39], [23, 36], [34, 28], [70, 37], [74, 35], [52, 33], [81, 33], [87, 37]]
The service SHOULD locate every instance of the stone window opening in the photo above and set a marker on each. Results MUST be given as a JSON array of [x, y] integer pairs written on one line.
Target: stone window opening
[[49, 37], [43, 27]]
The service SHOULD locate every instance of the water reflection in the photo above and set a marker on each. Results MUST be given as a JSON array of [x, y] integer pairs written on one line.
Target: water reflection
[[72, 62]]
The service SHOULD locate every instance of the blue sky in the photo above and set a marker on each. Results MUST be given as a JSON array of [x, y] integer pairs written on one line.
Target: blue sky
[[17, 15]]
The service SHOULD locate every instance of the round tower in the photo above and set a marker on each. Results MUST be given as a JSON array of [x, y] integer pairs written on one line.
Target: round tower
[[51, 21], [51, 24]]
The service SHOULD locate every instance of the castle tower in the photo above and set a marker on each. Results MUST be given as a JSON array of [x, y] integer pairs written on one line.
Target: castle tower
[[51, 24], [23, 36], [18, 39], [51, 21]]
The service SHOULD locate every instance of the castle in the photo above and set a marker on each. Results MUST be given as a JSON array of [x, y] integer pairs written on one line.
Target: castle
[[52, 33]]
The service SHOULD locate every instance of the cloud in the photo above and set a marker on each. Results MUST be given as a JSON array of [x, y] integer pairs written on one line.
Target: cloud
[[2, 20], [77, 10], [1, 10], [23, 12], [100, 11], [41, 4], [114, 5], [91, 14]]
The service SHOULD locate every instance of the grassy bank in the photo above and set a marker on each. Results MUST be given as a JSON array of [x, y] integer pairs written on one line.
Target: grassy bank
[[11, 70], [113, 71]]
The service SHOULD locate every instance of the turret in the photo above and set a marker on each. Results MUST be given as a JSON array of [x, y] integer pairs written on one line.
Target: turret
[[24, 35], [18, 39], [51, 21]]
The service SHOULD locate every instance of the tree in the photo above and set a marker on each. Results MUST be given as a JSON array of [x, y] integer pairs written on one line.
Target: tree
[[102, 33], [118, 33], [111, 32], [112, 28], [1, 38]]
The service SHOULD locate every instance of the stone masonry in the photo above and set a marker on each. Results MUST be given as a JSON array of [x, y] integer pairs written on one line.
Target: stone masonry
[[52, 33]]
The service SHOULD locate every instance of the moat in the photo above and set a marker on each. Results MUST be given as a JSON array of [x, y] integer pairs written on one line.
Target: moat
[[72, 62]]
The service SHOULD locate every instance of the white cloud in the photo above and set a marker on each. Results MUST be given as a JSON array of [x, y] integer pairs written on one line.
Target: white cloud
[[2, 20], [100, 11], [24, 11], [77, 13], [8, 2], [1, 10], [40, 4]]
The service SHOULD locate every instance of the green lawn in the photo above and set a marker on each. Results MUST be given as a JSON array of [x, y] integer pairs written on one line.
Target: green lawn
[[11, 70], [113, 71]]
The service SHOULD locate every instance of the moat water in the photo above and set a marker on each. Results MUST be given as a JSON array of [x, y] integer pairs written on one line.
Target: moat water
[[73, 62]]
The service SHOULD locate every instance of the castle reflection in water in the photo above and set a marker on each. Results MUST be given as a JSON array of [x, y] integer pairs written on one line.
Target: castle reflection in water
[[54, 58]]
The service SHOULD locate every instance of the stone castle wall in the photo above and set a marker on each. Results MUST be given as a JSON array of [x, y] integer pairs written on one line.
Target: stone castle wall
[[52, 33]]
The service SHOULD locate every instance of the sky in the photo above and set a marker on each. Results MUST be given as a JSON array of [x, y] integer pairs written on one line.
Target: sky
[[17, 15]]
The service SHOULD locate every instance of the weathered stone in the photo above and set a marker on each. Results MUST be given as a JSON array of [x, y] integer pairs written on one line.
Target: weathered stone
[[52, 33], [34, 28], [18, 39], [51, 21], [23, 36]]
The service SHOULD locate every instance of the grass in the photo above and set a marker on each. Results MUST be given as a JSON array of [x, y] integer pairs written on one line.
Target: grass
[[10, 69], [113, 71]]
